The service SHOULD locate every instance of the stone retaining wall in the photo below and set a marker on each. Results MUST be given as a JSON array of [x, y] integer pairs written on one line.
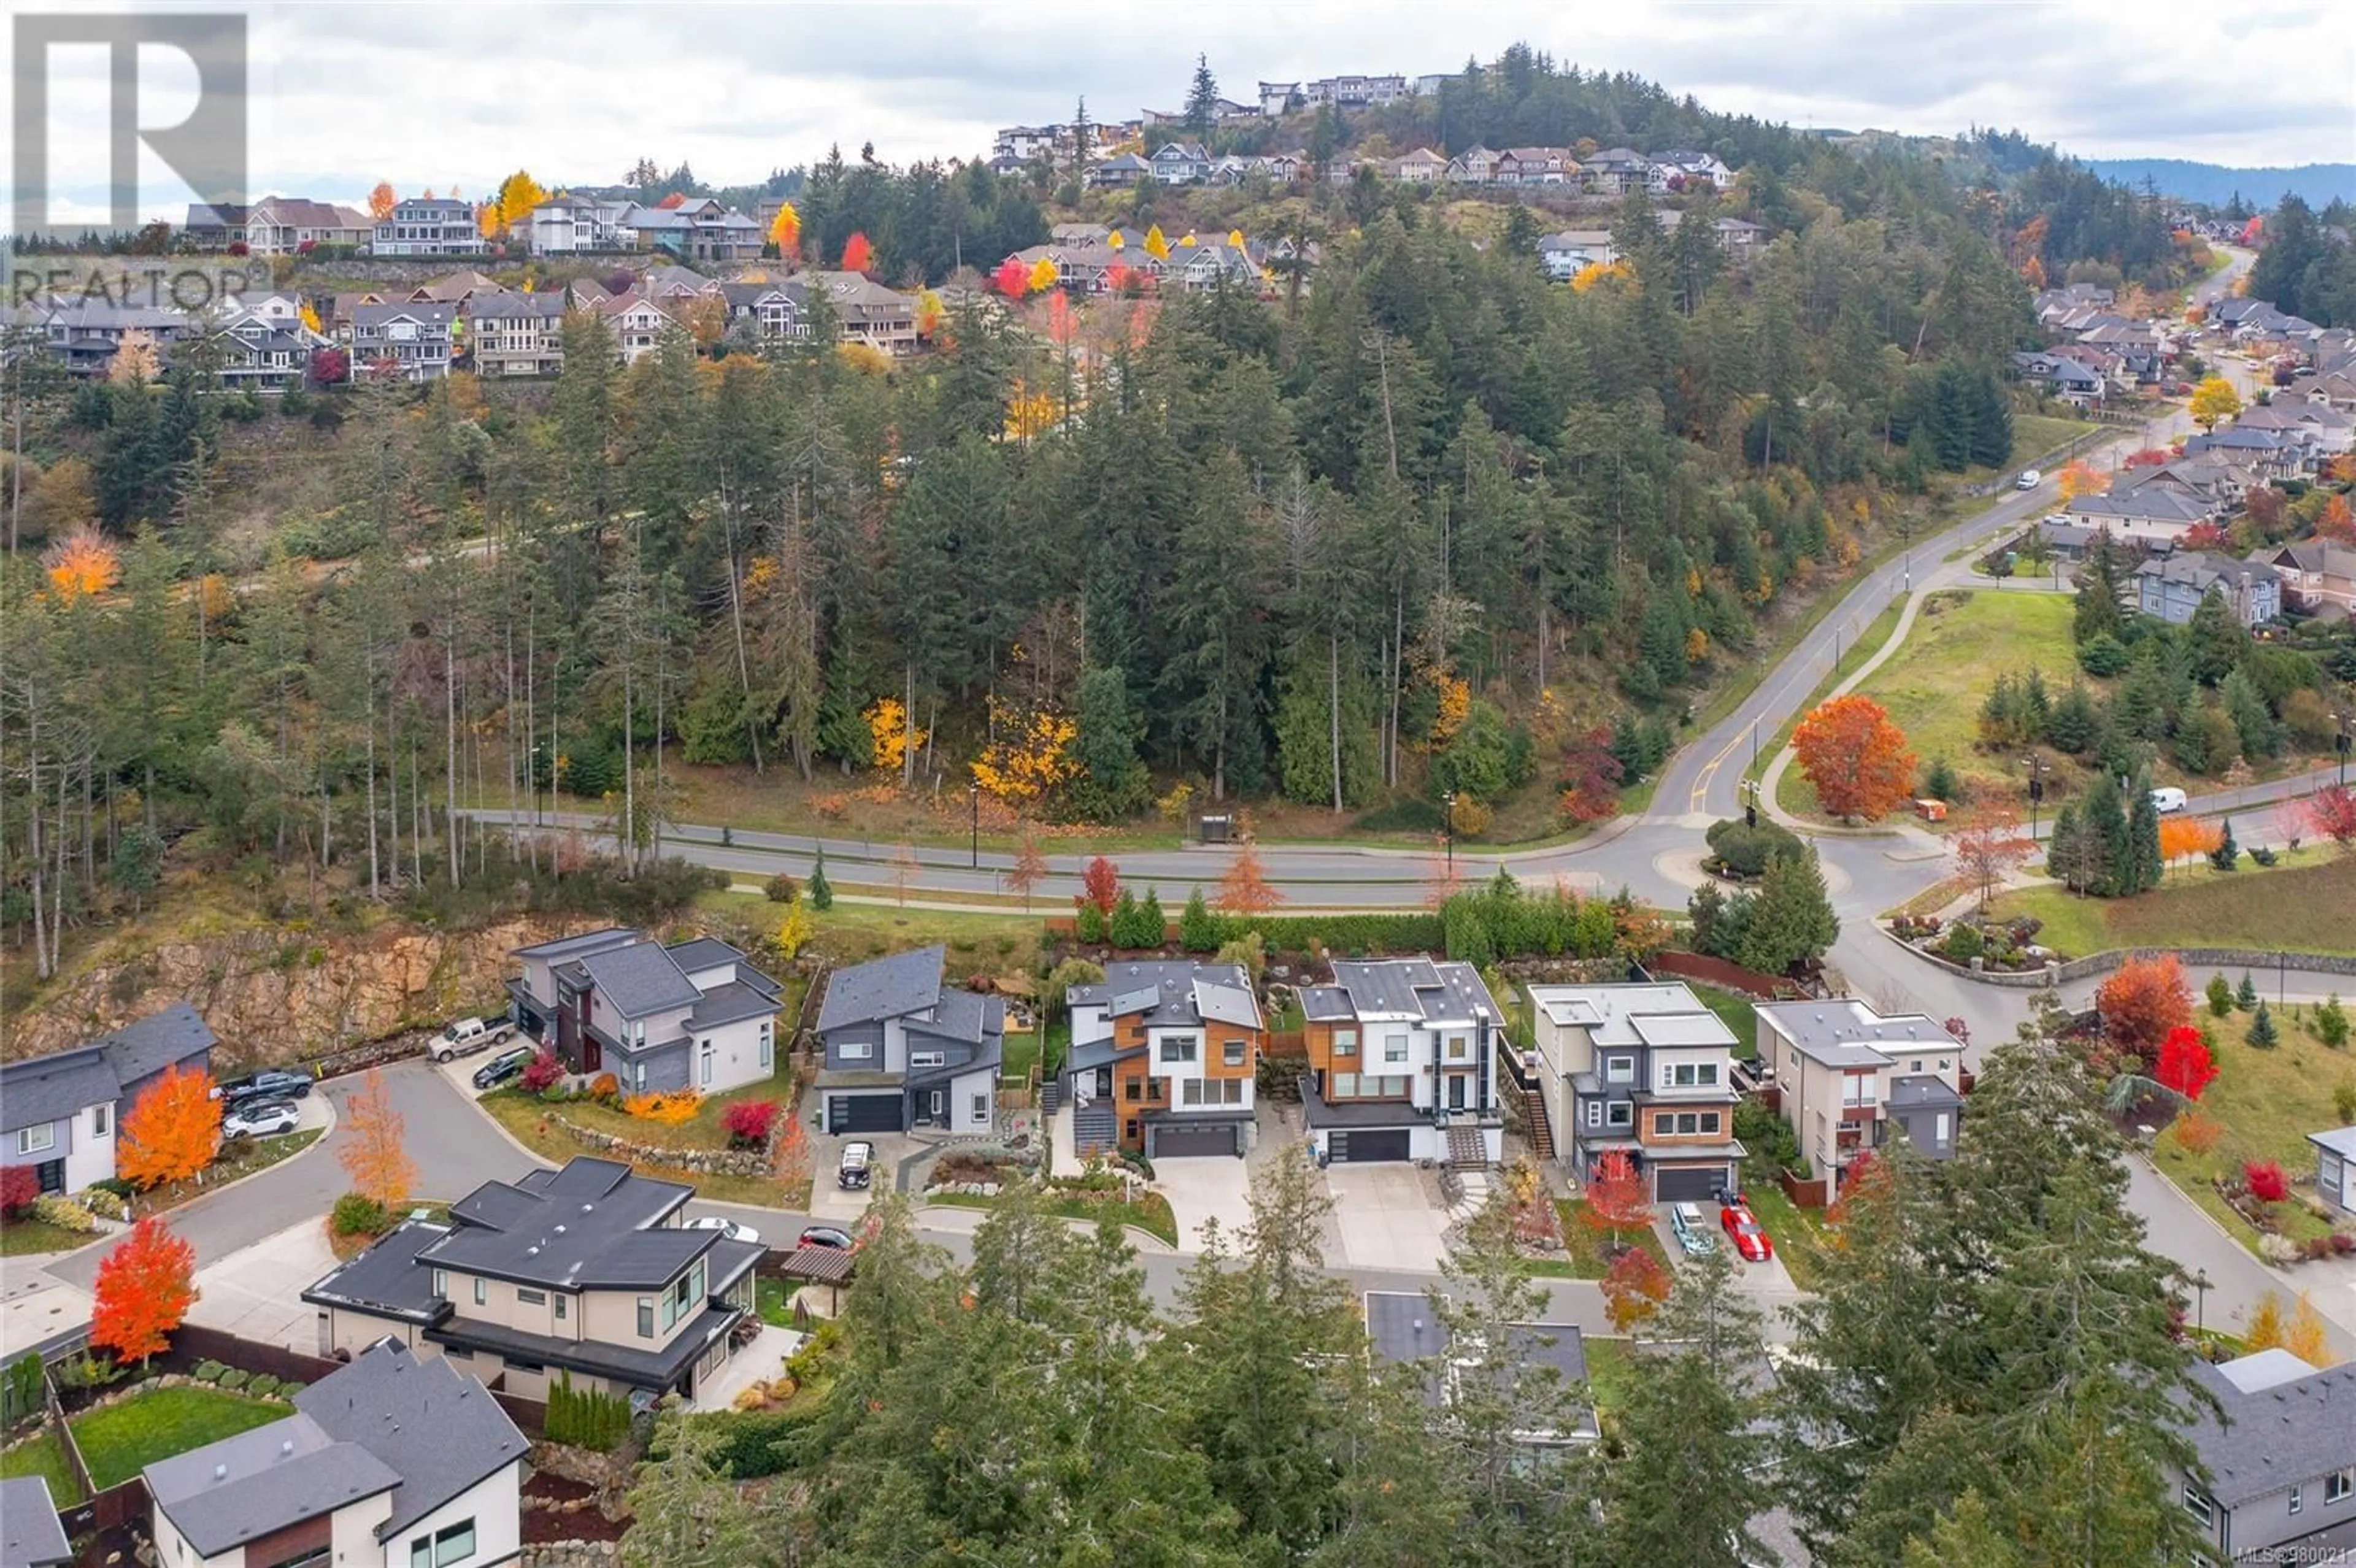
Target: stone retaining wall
[[2104, 963], [571, 1554], [704, 1161]]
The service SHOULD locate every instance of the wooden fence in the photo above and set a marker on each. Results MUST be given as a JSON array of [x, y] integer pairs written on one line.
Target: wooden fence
[[126, 1503], [191, 1342], [529, 1414], [1725, 976]]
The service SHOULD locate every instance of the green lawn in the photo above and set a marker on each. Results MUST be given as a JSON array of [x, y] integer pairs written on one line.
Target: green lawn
[[853, 933], [1022, 1051], [1854, 652], [523, 1115], [1797, 1233], [120, 1440], [1610, 1370], [1735, 1012], [44, 1455], [2034, 435], [18, 1237], [1586, 1246], [2299, 908]]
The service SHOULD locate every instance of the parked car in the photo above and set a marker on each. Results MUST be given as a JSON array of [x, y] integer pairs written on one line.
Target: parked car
[[2168, 798], [1691, 1230], [2030, 478], [260, 1119], [856, 1167], [1751, 1242], [272, 1085], [833, 1236], [501, 1068], [729, 1228], [467, 1036]]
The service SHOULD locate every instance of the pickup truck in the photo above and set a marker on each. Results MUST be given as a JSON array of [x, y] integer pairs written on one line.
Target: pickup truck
[[467, 1036]]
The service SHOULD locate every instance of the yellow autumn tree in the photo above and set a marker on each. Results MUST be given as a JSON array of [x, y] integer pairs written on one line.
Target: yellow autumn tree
[[1236, 238], [1595, 273], [2083, 478], [82, 564], [1029, 755], [1042, 276], [2215, 400], [135, 360], [381, 201], [929, 313], [785, 230], [1455, 703], [794, 930], [518, 193], [1028, 414], [2266, 1329], [1155, 245], [1116, 241], [894, 735], [310, 319]]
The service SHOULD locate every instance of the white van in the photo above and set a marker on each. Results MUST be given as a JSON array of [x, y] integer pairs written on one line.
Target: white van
[[467, 1036], [2030, 478], [2163, 801]]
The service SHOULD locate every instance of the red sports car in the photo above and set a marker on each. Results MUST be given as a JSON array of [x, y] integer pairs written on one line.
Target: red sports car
[[1748, 1240]]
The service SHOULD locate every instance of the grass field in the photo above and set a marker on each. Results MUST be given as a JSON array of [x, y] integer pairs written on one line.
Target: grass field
[[120, 1440], [19, 1237], [1798, 1234], [853, 933], [1735, 1012], [2034, 435], [1610, 1370], [2298, 908], [1586, 1245], [1151, 1213], [44, 1455]]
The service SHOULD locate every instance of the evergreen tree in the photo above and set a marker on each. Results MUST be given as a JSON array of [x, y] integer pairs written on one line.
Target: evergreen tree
[[820, 891], [1939, 780], [1203, 100], [684, 1508], [1113, 783], [2245, 995], [1198, 932], [1793, 919], [2227, 853], [2096, 614], [2215, 639], [2143, 867], [2075, 722], [1151, 924], [2263, 1033]]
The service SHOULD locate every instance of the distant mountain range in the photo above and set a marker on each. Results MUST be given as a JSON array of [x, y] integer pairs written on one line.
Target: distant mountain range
[[2214, 183]]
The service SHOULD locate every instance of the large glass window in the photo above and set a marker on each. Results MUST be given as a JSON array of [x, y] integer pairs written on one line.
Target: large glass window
[[532, 1298], [1346, 1042], [33, 1140], [1232, 1052], [1179, 1048], [1395, 1050], [856, 1049], [444, 1547]]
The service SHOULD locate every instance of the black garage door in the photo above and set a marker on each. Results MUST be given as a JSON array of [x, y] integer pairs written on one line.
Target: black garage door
[[863, 1114], [1686, 1184], [1361, 1146], [1172, 1143]]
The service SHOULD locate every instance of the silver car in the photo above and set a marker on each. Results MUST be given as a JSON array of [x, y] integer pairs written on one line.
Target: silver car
[[1691, 1230], [261, 1119]]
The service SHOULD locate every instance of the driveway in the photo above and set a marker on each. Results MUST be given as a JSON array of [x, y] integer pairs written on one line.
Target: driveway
[[1383, 1219], [255, 1293], [1206, 1187]]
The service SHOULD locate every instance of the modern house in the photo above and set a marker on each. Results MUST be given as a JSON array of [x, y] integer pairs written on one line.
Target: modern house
[[392, 1462], [585, 1274], [518, 334], [2318, 576], [414, 341], [1403, 1063], [903, 1050], [567, 224], [694, 1015], [2171, 587], [1567, 252], [58, 1113], [1844, 1075], [864, 311], [1165, 1059], [1640, 1070], [2335, 1167], [2280, 1454], [31, 1534], [1544, 1362], [429, 226]]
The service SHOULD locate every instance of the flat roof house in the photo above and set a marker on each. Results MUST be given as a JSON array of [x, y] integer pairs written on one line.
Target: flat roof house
[[1844, 1075], [585, 1272], [1165, 1059], [1546, 1360], [694, 1015], [390, 1461], [903, 1050], [1403, 1063], [1641, 1070], [2281, 1463], [58, 1113]]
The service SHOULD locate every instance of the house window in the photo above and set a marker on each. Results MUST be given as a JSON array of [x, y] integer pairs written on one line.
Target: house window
[[33, 1140], [482, 1290], [2297, 1498], [645, 1317], [1346, 1042], [1136, 1088], [1232, 1052], [102, 1120], [980, 1107], [927, 1057], [856, 1051], [1345, 1085], [1914, 1066], [2339, 1485], [768, 1047], [560, 1309], [1620, 1113], [2197, 1505], [441, 1282], [1178, 1048], [1689, 1075], [638, 1076], [1595, 1113], [1458, 1048], [703, 1064], [1395, 1050], [532, 1298], [1620, 1070], [1710, 1121], [455, 1544]]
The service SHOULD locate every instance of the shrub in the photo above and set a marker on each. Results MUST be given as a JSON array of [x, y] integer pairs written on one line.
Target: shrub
[[2342, 1243], [1088, 925], [105, 1204], [541, 1072], [262, 1385], [606, 1089], [208, 1371], [1965, 943], [2331, 1026], [2263, 1033], [2266, 1181], [19, 1185], [1744, 849], [2195, 1132], [115, 1185], [781, 888], [667, 1108], [2263, 856], [234, 1378], [85, 1371], [56, 1209], [584, 1418], [748, 1123], [357, 1214], [2221, 995]]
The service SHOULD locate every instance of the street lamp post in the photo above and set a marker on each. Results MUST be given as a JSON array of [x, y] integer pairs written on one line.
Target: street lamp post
[[974, 789], [1448, 804], [2341, 743], [532, 764]]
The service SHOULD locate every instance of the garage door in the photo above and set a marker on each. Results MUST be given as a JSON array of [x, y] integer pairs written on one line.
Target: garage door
[[863, 1114], [1174, 1142], [1686, 1184], [1358, 1147]]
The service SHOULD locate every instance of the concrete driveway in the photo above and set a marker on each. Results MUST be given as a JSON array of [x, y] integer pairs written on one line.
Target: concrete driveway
[[1206, 1187], [1383, 1219], [255, 1293]]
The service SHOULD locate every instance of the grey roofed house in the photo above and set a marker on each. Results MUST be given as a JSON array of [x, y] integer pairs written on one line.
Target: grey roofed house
[[585, 1225], [31, 1535], [1404, 1329], [1414, 987], [638, 980], [2279, 1453], [113, 1067], [887, 988], [257, 1483], [142, 1049], [518, 306], [1837, 1033], [582, 943]]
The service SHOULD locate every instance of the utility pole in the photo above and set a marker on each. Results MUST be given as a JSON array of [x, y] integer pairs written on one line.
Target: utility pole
[[974, 789], [1448, 804]]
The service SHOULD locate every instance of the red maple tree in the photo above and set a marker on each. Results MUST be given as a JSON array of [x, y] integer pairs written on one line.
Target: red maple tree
[[2143, 1000], [1011, 279], [2266, 1181], [2185, 1064], [747, 1122], [1590, 777], [1616, 1198], [145, 1286], [858, 252], [1100, 885], [1855, 757], [2332, 813], [18, 1187], [1634, 1288]]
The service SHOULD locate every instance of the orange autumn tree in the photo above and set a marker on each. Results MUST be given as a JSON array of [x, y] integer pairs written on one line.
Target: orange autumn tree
[[1989, 848], [785, 230], [789, 1156], [81, 565], [2140, 1002], [373, 1157], [2336, 522], [381, 201], [858, 252], [1855, 758], [1634, 1288], [171, 1131], [2183, 836], [145, 1288], [1246, 890], [2081, 477]]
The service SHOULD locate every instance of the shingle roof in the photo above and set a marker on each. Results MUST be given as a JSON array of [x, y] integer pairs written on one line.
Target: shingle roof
[[730, 1004], [50, 1088], [31, 1534], [639, 979], [227, 1493], [2204, 572], [430, 1423], [2283, 1424], [156, 1041], [892, 986], [558, 1228]]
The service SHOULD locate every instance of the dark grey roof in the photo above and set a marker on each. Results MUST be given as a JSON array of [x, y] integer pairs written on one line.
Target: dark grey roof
[[575, 946], [386, 1280], [588, 1224], [31, 1534], [643, 1259], [2276, 1432], [639, 979], [965, 1017], [702, 953], [1404, 1328], [730, 1003], [1173, 992], [2161, 504], [227, 1493], [418, 310], [1434, 991], [886, 988], [2205, 572], [513, 306], [656, 1369], [1324, 1004], [157, 1041], [430, 1423], [1917, 1091], [43, 1089]]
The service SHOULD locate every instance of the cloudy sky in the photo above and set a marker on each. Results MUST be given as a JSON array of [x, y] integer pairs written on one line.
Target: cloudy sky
[[434, 94]]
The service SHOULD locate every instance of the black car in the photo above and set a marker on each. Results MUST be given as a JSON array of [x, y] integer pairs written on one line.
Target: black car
[[499, 1069], [273, 1084], [827, 1236]]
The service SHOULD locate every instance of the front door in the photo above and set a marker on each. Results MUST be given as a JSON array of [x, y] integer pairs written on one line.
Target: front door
[[1104, 1081], [938, 1106], [1456, 1091]]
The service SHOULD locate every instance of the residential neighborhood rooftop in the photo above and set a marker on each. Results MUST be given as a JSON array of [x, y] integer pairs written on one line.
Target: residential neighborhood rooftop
[[2284, 1422], [1842, 1031]]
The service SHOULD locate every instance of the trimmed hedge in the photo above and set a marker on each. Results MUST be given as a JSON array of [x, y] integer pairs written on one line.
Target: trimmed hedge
[[584, 1418], [1344, 933]]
